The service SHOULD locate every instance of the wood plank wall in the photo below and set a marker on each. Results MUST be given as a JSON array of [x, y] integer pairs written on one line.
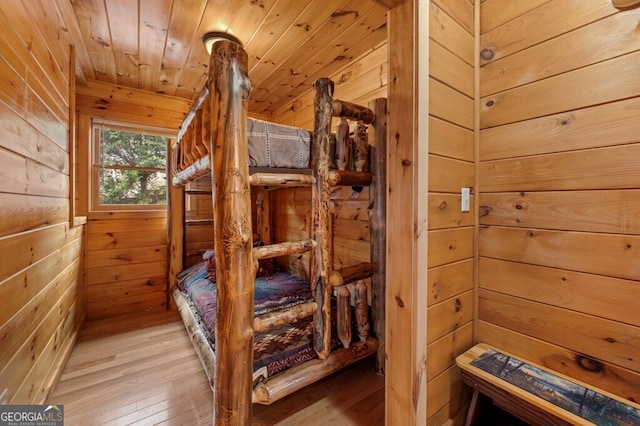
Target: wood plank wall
[[362, 80], [450, 296], [127, 263], [291, 221], [559, 277], [290, 211], [41, 280], [126, 251], [405, 322]]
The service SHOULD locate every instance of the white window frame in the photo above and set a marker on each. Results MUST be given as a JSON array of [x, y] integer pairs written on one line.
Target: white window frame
[[96, 126]]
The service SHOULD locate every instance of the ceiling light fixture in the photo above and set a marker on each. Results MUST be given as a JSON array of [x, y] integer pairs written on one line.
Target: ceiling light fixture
[[624, 4], [211, 37]]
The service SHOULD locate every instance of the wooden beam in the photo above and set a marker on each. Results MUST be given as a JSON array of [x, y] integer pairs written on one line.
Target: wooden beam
[[309, 372], [175, 224], [344, 316], [352, 111], [407, 194], [196, 170], [229, 93], [198, 339], [263, 216], [361, 147], [284, 316], [202, 98], [281, 180], [362, 311], [284, 248], [350, 178], [377, 224], [342, 154], [320, 198], [350, 274]]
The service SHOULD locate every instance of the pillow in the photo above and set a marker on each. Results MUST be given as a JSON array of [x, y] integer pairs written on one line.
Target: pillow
[[265, 266], [209, 257]]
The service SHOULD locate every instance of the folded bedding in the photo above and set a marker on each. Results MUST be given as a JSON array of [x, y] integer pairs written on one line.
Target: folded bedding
[[277, 145]]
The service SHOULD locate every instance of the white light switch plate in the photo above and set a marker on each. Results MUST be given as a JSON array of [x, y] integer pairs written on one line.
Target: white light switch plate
[[464, 199]]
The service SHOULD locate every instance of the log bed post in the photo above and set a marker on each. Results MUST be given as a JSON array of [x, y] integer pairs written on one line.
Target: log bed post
[[377, 220], [229, 87], [320, 198]]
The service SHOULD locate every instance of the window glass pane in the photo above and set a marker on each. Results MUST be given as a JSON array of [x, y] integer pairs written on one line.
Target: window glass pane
[[132, 149], [131, 168], [133, 187]]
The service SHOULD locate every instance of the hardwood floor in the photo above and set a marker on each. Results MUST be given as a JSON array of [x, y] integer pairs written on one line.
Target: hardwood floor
[[143, 370]]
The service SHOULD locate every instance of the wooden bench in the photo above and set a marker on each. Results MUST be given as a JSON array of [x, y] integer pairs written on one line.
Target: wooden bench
[[538, 395]]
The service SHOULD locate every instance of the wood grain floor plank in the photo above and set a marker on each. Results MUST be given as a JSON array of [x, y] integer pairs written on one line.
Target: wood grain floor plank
[[142, 370]]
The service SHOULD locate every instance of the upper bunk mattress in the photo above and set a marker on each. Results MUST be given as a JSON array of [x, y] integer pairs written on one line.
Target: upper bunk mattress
[[277, 145]]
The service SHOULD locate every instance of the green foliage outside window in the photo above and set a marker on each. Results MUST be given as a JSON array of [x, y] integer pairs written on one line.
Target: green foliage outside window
[[132, 168]]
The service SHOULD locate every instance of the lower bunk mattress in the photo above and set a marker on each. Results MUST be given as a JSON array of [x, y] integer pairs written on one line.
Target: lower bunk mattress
[[275, 350]]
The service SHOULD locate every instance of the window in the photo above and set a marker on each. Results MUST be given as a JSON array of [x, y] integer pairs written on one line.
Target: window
[[129, 167]]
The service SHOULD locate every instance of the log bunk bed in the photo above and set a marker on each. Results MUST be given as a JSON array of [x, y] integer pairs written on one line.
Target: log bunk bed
[[214, 139]]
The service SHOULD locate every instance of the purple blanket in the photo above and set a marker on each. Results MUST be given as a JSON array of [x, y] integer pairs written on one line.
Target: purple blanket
[[274, 350]]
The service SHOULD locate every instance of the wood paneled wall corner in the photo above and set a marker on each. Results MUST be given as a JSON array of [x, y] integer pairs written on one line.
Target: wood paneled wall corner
[[450, 258]]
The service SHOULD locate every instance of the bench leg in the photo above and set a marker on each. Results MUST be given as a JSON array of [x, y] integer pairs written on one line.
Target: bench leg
[[472, 408]]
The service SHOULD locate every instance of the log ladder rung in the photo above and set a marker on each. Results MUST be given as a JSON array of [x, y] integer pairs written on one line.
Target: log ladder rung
[[281, 249], [284, 316], [350, 178], [281, 180], [351, 274]]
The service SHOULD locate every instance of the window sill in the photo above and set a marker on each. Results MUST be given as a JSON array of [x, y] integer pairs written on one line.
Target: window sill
[[78, 221]]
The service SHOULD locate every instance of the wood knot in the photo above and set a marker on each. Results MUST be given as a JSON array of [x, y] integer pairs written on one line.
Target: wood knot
[[484, 211], [490, 103], [399, 301], [518, 206], [443, 205], [589, 364], [609, 339], [406, 163], [487, 53]]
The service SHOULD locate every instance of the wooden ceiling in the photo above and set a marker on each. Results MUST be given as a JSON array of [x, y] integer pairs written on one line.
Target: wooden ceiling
[[156, 45]]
